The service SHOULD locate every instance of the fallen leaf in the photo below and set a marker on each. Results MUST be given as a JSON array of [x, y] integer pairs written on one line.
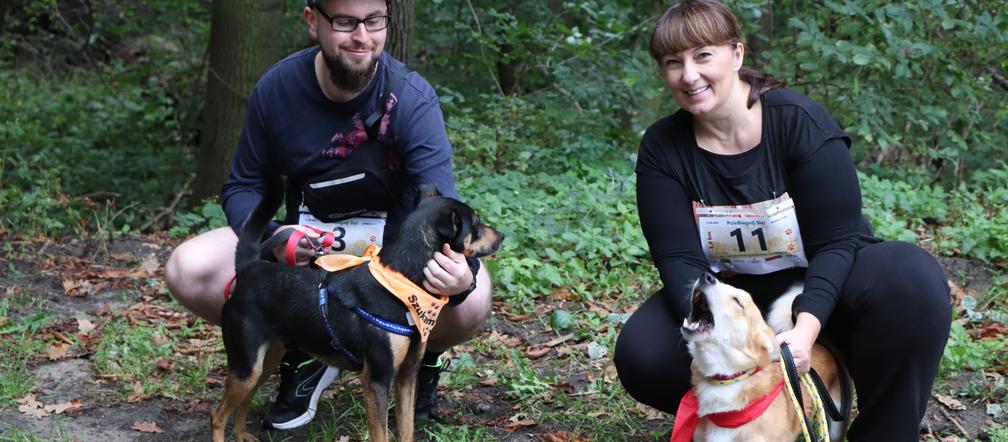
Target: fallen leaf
[[563, 436], [31, 406], [536, 352], [85, 326], [519, 424], [57, 350], [561, 294], [123, 256], [993, 331], [513, 317], [146, 427], [558, 340], [103, 310], [138, 393], [343, 439], [164, 363], [955, 292], [651, 414], [150, 265], [198, 405], [70, 405], [502, 340], [950, 402]]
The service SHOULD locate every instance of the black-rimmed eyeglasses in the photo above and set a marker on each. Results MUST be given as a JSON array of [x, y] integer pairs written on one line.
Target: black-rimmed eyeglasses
[[346, 23]]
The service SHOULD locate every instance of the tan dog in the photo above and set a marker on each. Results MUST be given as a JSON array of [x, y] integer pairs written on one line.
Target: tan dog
[[733, 368]]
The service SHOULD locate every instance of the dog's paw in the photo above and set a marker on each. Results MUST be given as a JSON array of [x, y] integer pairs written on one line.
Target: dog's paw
[[246, 437]]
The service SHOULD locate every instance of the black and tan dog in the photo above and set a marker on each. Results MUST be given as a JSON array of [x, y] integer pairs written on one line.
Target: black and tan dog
[[276, 306]]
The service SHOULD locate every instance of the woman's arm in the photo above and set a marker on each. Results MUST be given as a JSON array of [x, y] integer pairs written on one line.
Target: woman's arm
[[827, 196], [666, 217]]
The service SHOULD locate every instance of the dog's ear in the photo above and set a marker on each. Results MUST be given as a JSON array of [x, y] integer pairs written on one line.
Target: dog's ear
[[453, 229], [428, 190]]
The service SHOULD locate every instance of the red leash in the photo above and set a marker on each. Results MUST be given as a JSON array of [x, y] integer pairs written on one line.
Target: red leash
[[293, 236]]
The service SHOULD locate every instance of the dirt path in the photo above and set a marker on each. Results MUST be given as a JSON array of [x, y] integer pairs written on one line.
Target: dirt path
[[127, 272]]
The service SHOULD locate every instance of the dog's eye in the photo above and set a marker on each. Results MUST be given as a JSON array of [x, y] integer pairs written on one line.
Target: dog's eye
[[737, 301]]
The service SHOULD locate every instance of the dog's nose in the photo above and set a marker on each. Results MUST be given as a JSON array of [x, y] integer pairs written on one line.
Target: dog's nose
[[709, 278]]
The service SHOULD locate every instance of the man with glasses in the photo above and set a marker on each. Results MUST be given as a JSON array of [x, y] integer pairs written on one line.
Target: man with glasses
[[305, 116]]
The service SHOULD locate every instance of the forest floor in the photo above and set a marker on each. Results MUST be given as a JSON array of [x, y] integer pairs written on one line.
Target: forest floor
[[68, 311]]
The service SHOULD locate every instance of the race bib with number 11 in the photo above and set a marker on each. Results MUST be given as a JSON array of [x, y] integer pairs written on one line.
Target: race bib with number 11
[[753, 239]]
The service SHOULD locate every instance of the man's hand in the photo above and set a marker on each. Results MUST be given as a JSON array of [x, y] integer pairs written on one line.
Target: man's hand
[[447, 273], [800, 340], [304, 253]]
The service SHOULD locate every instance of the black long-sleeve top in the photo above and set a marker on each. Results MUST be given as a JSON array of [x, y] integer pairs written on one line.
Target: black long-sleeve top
[[802, 152]]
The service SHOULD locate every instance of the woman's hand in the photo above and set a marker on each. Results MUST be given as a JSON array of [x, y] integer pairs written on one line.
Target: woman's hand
[[800, 339], [304, 253], [447, 273]]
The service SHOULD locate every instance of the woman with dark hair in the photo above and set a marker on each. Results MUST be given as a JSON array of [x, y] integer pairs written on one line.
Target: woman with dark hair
[[744, 146]]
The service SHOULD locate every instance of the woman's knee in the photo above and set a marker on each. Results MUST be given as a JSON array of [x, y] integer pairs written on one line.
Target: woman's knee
[[898, 293]]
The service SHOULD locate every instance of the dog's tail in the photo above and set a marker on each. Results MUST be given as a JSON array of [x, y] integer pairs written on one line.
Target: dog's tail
[[779, 316], [252, 229]]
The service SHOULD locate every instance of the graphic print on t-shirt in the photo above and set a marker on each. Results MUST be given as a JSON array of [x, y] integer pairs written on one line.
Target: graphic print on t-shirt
[[341, 145], [754, 239]]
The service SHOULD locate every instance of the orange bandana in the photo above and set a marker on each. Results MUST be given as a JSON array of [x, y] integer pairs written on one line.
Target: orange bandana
[[424, 308]]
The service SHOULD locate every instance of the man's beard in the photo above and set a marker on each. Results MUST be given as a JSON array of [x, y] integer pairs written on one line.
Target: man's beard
[[346, 77]]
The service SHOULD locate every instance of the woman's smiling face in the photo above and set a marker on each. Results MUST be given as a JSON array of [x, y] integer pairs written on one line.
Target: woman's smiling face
[[702, 78]]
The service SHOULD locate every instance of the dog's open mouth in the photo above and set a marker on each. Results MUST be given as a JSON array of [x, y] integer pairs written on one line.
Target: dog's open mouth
[[700, 318]]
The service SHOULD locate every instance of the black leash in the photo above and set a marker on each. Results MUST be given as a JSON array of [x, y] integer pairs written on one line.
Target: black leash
[[841, 414], [836, 414], [792, 378]]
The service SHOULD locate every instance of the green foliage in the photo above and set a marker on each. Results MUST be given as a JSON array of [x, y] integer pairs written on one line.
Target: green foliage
[[970, 221], [71, 145], [128, 351], [208, 216], [910, 81], [522, 382], [964, 352]]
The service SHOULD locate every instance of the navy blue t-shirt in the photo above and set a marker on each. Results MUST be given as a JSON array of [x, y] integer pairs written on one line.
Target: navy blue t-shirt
[[293, 128]]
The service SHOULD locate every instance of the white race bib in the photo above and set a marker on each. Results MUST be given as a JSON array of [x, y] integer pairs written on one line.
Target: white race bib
[[754, 239], [353, 235]]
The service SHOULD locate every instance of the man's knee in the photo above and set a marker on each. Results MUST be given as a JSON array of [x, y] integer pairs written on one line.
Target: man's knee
[[200, 262]]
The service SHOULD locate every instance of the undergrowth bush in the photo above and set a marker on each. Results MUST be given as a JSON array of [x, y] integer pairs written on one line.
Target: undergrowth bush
[[73, 143], [561, 188]]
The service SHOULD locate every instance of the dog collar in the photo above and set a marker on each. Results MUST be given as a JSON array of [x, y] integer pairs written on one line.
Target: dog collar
[[687, 417], [726, 379]]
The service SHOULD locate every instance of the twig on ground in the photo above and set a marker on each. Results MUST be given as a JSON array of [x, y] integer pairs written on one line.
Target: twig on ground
[[955, 422], [171, 207]]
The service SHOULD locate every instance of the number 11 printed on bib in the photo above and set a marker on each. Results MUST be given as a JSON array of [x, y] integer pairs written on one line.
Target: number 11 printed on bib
[[754, 239]]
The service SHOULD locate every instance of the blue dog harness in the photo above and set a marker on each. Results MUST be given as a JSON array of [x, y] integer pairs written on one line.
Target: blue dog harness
[[324, 292]]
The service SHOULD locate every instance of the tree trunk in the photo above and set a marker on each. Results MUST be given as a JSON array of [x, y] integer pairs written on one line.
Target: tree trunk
[[755, 43], [5, 5], [243, 44], [400, 35]]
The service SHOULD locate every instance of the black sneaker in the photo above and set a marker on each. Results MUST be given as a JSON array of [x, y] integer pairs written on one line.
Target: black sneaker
[[298, 395], [426, 391]]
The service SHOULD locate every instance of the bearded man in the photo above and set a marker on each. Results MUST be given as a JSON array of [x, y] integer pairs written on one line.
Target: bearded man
[[305, 118]]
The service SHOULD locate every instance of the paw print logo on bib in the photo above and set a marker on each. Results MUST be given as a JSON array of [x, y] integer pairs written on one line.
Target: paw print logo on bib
[[754, 239]]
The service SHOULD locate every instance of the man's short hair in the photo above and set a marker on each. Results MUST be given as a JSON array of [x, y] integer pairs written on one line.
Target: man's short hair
[[314, 2]]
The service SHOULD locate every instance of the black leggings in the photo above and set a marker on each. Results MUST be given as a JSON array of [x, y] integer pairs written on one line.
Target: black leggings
[[891, 323]]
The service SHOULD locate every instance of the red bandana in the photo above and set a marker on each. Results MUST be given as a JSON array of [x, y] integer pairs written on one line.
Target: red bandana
[[686, 418]]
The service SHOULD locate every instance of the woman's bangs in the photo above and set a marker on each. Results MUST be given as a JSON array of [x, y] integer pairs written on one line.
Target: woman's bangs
[[685, 29]]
